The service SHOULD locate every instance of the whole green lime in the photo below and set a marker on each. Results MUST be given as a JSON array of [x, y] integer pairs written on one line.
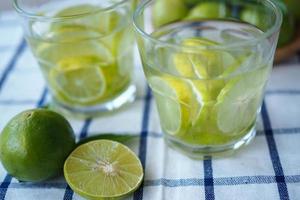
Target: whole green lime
[[35, 143], [167, 11], [206, 10]]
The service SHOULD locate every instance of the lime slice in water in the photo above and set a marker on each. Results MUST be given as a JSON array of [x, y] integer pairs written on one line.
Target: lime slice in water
[[103, 169], [174, 100], [239, 100], [79, 79]]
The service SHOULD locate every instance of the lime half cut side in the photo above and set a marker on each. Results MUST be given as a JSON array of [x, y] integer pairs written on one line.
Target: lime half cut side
[[174, 99], [103, 169], [79, 79]]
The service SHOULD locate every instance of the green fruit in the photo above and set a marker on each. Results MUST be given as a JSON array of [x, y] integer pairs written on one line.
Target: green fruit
[[208, 10], [287, 30], [35, 143], [254, 15], [257, 16], [166, 11], [191, 3], [293, 6], [103, 169]]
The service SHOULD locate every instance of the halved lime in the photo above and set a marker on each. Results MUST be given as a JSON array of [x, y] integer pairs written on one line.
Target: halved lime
[[174, 100], [103, 169], [78, 79], [239, 100]]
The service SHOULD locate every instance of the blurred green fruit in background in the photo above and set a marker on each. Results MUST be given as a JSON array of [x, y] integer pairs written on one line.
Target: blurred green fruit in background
[[166, 11], [287, 31], [294, 7], [254, 15], [208, 9], [257, 17], [191, 3]]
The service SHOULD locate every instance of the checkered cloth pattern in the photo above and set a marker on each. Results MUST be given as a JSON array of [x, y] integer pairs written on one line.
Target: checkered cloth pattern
[[269, 168]]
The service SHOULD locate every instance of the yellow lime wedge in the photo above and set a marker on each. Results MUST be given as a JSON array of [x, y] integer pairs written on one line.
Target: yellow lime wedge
[[175, 101], [103, 169]]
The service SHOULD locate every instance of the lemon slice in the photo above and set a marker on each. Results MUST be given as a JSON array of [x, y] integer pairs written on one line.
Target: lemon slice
[[78, 79], [174, 101], [103, 169], [239, 100]]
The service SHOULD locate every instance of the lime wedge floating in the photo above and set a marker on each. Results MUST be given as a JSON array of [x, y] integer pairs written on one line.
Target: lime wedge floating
[[103, 169], [202, 66], [206, 62], [239, 100], [174, 100], [79, 79]]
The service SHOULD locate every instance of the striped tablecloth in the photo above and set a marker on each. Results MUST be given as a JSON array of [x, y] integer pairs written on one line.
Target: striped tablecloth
[[269, 168]]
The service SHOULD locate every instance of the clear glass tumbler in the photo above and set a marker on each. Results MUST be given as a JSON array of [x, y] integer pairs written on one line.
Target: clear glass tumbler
[[85, 51], [207, 63]]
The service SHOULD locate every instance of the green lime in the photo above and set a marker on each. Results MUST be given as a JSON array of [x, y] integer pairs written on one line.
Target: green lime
[[175, 101], [293, 7], [206, 10], [79, 79], [35, 143], [103, 169], [239, 100], [255, 15], [166, 11]]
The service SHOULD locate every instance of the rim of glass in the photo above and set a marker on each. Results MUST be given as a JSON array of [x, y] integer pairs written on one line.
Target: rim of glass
[[31, 15], [275, 27]]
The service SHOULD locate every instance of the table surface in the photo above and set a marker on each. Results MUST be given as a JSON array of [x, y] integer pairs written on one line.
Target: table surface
[[269, 168]]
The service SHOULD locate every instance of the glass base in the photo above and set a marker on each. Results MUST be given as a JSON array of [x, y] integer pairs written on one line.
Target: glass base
[[125, 97], [204, 152]]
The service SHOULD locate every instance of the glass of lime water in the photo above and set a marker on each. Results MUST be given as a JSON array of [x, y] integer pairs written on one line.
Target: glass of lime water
[[85, 51], [207, 63]]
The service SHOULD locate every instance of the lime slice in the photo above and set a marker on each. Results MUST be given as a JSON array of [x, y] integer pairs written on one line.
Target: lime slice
[[103, 169], [239, 100], [79, 79], [205, 63], [174, 101]]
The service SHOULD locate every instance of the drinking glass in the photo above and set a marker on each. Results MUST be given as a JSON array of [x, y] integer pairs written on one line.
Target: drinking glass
[[207, 63], [85, 51]]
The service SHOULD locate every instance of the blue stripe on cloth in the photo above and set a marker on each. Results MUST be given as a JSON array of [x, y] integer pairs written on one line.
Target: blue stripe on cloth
[[4, 186], [12, 63], [283, 92], [270, 92], [69, 192], [17, 102], [7, 70], [138, 195], [208, 179], [280, 179], [295, 130], [43, 98], [224, 181]]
